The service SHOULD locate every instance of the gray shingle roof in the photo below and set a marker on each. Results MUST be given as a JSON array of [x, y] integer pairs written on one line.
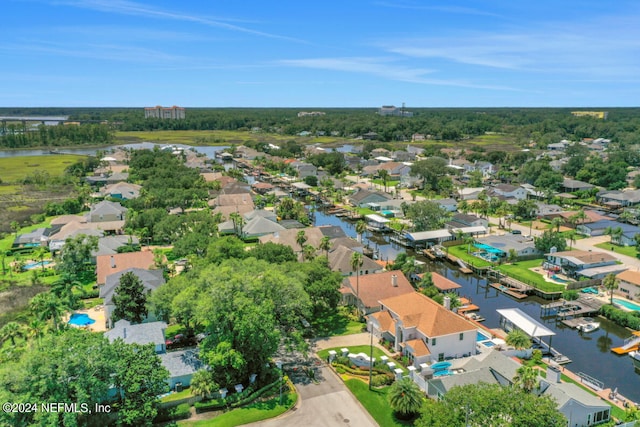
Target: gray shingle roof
[[151, 279], [143, 333], [180, 363]]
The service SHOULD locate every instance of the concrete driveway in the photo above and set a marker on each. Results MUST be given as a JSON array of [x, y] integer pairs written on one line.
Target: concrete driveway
[[327, 403]]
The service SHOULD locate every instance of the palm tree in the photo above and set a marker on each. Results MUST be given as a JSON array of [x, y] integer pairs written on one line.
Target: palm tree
[[609, 232], [361, 227], [325, 245], [238, 223], [15, 226], [469, 240], [527, 377], [616, 234], [47, 306], [610, 283], [356, 263], [202, 384], [571, 236], [518, 339], [35, 329], [384, 176], [11, 331], [556, 223], [405, 398], [40, 253], [308, 252], [301, 238], [580, 217]]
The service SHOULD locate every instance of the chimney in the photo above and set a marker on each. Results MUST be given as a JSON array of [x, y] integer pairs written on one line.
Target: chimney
[[446, 302], [124, 333], [394, 280], [113, 262], [553, 374]]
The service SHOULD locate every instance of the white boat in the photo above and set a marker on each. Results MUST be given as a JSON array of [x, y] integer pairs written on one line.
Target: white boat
[[588, 327]]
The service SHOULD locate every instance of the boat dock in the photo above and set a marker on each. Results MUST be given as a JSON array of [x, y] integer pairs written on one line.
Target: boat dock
[[630, 344], [576, 322], [512, 292], [583, 306]]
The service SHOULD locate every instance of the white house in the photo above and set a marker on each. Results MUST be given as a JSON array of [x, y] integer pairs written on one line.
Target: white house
[[629, 284], [422, 329]]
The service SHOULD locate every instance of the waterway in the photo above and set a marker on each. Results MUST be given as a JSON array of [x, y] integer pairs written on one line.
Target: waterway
[[209, 151], [590, 352]]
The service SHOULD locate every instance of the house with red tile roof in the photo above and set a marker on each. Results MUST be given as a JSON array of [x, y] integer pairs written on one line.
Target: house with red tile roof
[[422, 329], [366, 291], [110, 264]]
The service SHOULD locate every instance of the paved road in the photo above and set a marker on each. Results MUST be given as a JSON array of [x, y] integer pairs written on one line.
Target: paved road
[[326, 404]]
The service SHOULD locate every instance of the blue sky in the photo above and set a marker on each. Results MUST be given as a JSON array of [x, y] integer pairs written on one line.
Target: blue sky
[[348, 53]]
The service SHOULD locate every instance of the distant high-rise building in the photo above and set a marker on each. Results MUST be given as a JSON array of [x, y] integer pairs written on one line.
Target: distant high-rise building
[[168, 113]]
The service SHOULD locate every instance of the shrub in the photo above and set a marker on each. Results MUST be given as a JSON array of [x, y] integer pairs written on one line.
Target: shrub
[[180, 412], [620, 317]]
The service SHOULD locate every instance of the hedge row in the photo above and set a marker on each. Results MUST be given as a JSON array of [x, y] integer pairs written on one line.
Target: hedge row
[[236, 400], [180, 412], [379, 378], [621, 317]]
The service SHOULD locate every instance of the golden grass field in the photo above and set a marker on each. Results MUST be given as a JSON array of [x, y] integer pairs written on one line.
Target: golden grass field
[[15, 169]]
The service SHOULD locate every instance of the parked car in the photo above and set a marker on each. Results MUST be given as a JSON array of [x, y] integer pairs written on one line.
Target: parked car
[[516, 232]]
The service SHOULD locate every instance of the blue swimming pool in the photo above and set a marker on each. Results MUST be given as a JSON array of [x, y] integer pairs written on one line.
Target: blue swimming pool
[[32, 265], [559, 279], [627, 304], [482, 337], [81, 319]]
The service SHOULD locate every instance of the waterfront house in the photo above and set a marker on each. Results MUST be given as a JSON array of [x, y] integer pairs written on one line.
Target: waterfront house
[[588, 264], [150, 279], [340, 261], [367, 290], [505, 243], [35, 238], [629, 284], [578, 406], [422, 329], [363, 197], [489, 367]]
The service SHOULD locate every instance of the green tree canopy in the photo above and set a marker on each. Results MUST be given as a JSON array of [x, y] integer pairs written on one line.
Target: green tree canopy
[[130, 299], [426, 215]]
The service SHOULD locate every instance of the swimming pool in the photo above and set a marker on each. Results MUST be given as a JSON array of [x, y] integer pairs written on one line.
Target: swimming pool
[[627, 304], [32, 265], [481, 337], [81, 319], [559, 279]]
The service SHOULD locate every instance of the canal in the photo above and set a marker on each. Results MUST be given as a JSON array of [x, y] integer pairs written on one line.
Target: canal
[[590, 352]]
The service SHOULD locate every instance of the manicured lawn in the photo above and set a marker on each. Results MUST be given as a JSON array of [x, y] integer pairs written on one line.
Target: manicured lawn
[[249, 414], [520, 271], [623, 250], [376, 403], [15, 169], [460, 251], [337, 324], [185, 393], [390, 184]]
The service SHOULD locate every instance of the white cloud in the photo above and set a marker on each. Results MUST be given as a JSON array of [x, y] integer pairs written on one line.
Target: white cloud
[[125, 7], [385, 68]]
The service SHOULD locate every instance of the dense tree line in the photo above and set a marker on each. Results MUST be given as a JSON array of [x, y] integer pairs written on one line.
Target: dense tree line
[[542, 125]]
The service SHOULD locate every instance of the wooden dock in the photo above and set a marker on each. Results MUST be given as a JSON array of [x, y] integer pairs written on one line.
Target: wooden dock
[[507, 290], [583, 306]]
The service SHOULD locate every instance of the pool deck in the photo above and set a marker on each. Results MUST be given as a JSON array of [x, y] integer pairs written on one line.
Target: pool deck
[[96, 313]]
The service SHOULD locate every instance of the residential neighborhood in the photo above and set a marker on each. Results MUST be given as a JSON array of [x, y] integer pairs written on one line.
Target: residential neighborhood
[[266, 273]]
